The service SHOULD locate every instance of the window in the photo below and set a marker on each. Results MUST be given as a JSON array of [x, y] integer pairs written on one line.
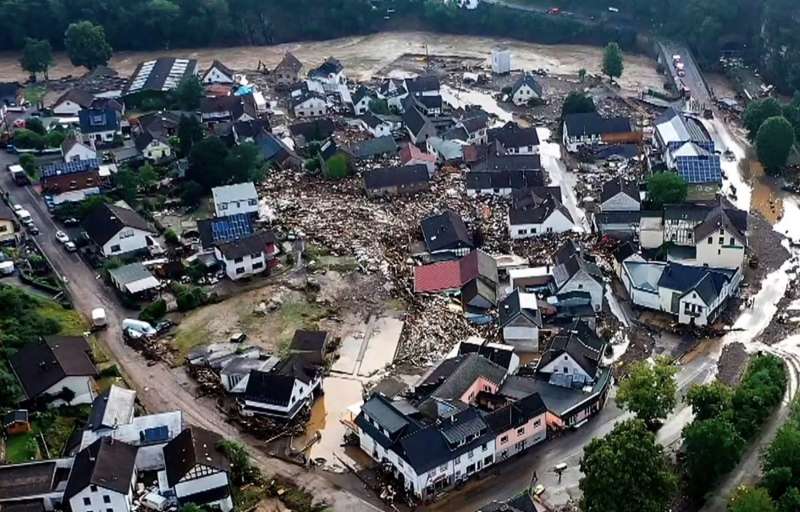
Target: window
[[255, 255], [109, 510], [115, 248], [504, 439], [721, 240], [566, 369], [3, 229], [257, 265], [710, 240], [520, 431], [126, 233], [88, 501], [223, 206], [488, 460], [106, 498], [733, 242], [549, 230], [485, 446], [469, 454], [238, 260], [458, 459], [523, 231], [240, 271], [252, 202], [533, 231]]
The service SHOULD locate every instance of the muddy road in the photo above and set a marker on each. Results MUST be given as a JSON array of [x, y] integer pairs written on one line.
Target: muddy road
[[364, 56]]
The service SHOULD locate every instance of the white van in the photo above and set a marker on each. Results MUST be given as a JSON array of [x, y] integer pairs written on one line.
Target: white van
[[99, 320], [25, 217], [6, 268], [138, 327]]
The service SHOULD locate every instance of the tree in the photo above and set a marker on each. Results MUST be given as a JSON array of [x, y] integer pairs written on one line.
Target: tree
[[781, 461], [127, 184], [148, 176], [86, 45], [748, 499], [577, 103], [790, 502], [612, 61], [37, 56], [713, 448], [54, 139], [27, 139], [188, 93], [244, 163], [757, 112], [709, 400], [626, 471], [154, 311], [649, 390], [66, 394], [190, 131], [207, 163], [191, 193], [379, 106], [9, 390], [336, 167], [666, 187], [28, 164], [774, 142], [242, 470]]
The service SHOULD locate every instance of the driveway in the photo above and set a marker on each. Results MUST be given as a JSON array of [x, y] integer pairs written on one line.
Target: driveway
[[159, 388]]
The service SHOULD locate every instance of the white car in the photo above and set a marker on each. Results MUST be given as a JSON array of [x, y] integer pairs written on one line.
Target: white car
[[17, 207], [62, 237], [70, 246]]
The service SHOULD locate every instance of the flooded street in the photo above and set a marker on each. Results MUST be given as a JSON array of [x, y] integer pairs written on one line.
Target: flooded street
[[560, 176]]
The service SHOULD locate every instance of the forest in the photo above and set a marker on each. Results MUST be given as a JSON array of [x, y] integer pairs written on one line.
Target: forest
[[761, 31]]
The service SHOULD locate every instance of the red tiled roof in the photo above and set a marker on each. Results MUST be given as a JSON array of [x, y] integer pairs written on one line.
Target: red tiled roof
[[411, 152], [446, 275]]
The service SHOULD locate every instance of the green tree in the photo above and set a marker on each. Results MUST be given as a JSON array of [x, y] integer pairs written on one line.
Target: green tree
[[35, 125], [242, 469], [577, 103], [188, 93], [337, 168], [626, 471], [244, 163], [127, 184], [207, 163], [54, 139], [28, 164], [27, 139], [790, 502], [37, 57], [86, 45], [9, 390], [191, 193], [612, 61], [190, 131], [774, 142], [748, 499], [154, 311], [379, 106], [148, 176], [713, 448], [757, 112], [781, 461], [665, 188], [709, 400], [760, 391], [649, 390]]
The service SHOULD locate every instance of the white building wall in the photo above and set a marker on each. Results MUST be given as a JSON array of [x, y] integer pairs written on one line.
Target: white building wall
[[565, 365], [523, 339], [557, 222], [67, 109], [312, 107], [523, 150], [501, 61], [79, 152], [248, 266], [523, 95], [582, 282], [241, 205], [82, 386], [117, 502], [692, 302], [156, 150], [620, 203], [198, 485], [127, 240], [720, 251], [215, 76], [651, 233]]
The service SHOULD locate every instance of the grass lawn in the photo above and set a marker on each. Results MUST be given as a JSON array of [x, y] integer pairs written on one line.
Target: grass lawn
[[22, 448], [56, 425], [297, 315], [186, 339], [71, 322]]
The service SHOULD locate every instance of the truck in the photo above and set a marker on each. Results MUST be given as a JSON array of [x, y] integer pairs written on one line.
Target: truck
[[18, 175], [99, 320]]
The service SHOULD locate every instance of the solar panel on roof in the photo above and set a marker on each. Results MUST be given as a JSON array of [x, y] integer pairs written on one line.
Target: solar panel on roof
[[61, 168], [234, 227], [699, 169], [155, 434]]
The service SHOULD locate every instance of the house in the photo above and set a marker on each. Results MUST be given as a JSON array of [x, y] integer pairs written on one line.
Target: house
[[330, 74], [218, 73], [117, 230], [103, 477], [310, 131], [686, 148], [225, 229], [573, 357], [8, 225], [429, 105], [498, 353], [521, 503], [287, 71], [249, 131], [275, 151], [153, 148], [74, 180], [375, 125], [536, 212], [72, 102], [394, 91], [501, 61], [573, 272], [283, 391], [235, 372], [46, 369], [73, 150], [112, 417], [525, 90], [310, 346], [228, 108], [16, 422], [418, 125], [460, 379], [160, 75], [452, 275], [309, 105], [377, 148], [446, 235], [475, 123], [197, 470], [423, 85], [134, 279], [412, 155], [619, 209], [160, 124], [245, 257], [235, 199], [361, 100], [478, 296], [99, 126], [517, 426], [501, 174], [447, 152], [520, 319], [712, 234], [9, 93], [674, 129], [514, 139], [391, 181], [589, 129], [45, 481]]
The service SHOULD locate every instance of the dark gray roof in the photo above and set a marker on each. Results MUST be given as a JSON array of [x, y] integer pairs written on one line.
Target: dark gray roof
[[163, 74], [361, 93], [511, 135], [529, 80], [515, 414], [446, 231], [684, 278], [593, 123], [106, 220], [515, 180], [630, 218], [619, 185], [510, 307], [252, 244], [559, 400], [582, 345], [384, 145], [724, 216], [395, 176], [78, 96], [221, 67], [41, 365], [497, 355], [422, 83], [330, 66], [381, 410], [15, 416], [106, 463], [414, 120], [305, 96], [456, 432], [289, 63], [539, 213], [317, 129], [496, 163], [191, 447], [451, 379]]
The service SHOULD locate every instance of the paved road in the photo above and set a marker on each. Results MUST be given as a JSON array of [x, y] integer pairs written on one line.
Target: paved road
[[159, 387], [693, 78]]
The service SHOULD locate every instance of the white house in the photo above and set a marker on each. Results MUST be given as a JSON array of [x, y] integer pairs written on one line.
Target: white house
[[197, 470], [118, 230], [619, 195], [284, 390], [525, 89], [515, 139], [706, 235], [103, 477], [248, 256], [520, 319], [72, 102], [309, 105], [330, 74], [573, 357], [56, 365], [218, 73], [547, 217], [361, 100], [235, 199], [572, 272], [375, 125], [153, 148], [73, 150], [99, 126], [501, 61], [587, 129]]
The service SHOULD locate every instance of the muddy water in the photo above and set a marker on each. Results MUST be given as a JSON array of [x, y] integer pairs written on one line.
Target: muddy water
[[461, 98]]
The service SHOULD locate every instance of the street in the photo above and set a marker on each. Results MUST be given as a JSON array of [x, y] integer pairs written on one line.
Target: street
[[158, 387]]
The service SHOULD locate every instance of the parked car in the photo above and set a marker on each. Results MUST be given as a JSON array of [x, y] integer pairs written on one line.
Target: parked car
[[70, 247], [71, 221], [62, 237], [32, 229], [24, 217], [99, 320]]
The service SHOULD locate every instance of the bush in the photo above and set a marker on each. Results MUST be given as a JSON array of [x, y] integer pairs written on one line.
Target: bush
[[191, 193], [54, 139], [761, 390], [27, 139], [154, 311], [337, 168], [171, 237], [189, 297]]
